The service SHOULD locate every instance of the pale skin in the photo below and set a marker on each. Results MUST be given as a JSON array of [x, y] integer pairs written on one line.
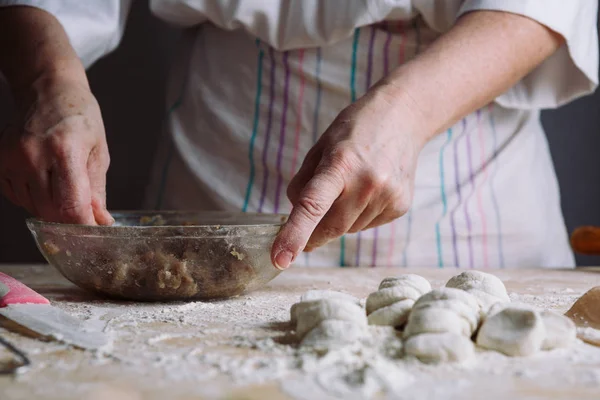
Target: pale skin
[[360, 174], [53, 157]]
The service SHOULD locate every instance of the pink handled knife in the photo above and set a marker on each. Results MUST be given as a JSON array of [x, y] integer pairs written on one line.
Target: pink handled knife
[[27, 312]]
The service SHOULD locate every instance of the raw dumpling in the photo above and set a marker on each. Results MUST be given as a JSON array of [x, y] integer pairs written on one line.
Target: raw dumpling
[[435, 348], [317, 294], [487, 288], [309, 314], [328, 323], [333, 333], [391, 304], [514, 331], [440, 326], [559, 330]]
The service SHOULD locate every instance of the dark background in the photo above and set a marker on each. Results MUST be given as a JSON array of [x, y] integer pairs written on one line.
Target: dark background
[[130, 84]]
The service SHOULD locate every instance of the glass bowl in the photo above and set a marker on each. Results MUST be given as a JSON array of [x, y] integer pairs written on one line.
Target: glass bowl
[[164, 256]]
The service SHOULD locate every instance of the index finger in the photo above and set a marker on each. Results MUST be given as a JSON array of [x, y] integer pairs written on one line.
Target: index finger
[[316, 198]]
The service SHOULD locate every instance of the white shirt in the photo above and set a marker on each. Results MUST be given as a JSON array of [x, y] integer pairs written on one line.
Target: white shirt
[[258, 81]]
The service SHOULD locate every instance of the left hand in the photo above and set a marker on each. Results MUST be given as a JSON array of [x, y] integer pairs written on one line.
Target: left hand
[[360, 174]]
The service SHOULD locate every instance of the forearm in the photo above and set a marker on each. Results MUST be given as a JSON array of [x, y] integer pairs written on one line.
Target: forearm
[[481, 57], [35, 51]]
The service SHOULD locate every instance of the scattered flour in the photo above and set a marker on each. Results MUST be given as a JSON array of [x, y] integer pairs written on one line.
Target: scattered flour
[[589, 335], [247, 341]]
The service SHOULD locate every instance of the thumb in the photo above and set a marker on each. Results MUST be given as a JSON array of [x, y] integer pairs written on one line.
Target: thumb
[[101, 214]]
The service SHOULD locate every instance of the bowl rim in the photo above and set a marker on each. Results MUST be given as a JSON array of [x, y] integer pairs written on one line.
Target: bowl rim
[[38, 223]]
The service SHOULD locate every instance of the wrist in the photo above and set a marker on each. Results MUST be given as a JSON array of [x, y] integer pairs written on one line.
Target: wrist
[[50, 80], [36, 51], [406, 110]]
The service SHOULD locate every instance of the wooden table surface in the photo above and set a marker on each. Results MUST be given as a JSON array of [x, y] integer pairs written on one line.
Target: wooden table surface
[[196, 350]]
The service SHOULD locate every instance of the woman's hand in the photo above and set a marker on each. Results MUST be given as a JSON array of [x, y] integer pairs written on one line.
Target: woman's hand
[[54, 158], [359, 175]]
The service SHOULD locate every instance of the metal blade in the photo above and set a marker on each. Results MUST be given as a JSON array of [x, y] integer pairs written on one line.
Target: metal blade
[[51, 323]]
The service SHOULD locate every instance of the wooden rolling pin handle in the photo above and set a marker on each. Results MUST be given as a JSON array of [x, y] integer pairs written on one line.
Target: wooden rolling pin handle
[[586, 240]]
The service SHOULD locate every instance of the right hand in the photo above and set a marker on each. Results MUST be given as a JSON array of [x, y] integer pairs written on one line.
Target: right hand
[[54, 158]]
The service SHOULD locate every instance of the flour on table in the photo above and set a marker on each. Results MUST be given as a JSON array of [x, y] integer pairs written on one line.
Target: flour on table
[[437, 325], [215, 346], [351, 372], [589, 335]]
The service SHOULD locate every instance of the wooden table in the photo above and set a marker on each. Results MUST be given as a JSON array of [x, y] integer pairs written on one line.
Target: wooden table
[[198, 350]]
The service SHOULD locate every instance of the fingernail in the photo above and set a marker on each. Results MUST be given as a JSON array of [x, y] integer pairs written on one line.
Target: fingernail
[[283, 259]]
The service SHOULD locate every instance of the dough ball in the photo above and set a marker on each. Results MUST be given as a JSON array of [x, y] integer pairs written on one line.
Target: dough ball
[[333, 333], [391, 303], [496, 308], [464, 310], [444, 310], [439, 347], [560, 331], [309, 314], [449, 294], [317, 294], [513, 331], [487, 288], [483, 281], [395, 314], [440, 320], [322, 294], [415, 281], [389, 295]]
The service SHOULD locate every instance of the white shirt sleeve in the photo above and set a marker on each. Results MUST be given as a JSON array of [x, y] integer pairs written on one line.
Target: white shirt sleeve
[[94, 27], [284, 24], [569, 73]]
